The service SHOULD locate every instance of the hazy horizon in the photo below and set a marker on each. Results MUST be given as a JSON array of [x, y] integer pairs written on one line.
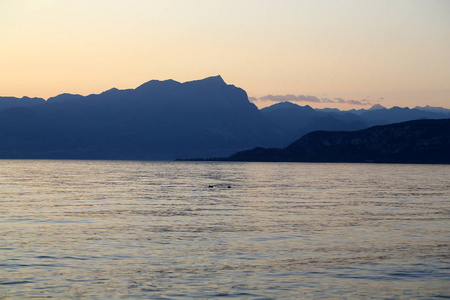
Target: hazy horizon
[[269, 100], [354, 53]]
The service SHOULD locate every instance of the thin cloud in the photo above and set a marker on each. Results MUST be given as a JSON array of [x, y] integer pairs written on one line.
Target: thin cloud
[[278, 98], [269, 98], [340, 100], [354, 102], [289, 97], [308, 98]]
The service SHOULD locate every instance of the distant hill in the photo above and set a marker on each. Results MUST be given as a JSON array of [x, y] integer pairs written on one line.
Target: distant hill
[[12, 102], [420, 141], [434, 109], [399, 114], [297, 121]]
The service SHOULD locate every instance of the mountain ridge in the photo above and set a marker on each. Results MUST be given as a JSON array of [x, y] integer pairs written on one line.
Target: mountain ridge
[[418, 141], [159, 120], [164, 120], [298, 120]]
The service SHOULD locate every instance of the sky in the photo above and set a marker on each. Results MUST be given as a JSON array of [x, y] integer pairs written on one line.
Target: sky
[[323, 53]]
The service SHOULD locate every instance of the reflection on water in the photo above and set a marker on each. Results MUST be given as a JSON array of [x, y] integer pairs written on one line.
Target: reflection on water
[[96, 229]]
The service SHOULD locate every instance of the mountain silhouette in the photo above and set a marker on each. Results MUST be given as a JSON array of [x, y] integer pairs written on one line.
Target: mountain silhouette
[[297, 121], [377, 106], [159, 120], [12, 102], [419, 141], [165, 120]]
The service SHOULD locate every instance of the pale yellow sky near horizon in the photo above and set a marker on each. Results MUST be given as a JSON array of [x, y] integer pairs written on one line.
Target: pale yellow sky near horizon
[[394, 52]]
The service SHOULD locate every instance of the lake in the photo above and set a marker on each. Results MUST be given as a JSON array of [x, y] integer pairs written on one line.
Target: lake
[[174, 230]]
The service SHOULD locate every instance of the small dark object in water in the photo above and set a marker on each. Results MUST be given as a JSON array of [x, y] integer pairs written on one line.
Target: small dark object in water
[[229, 186], [211, 186]]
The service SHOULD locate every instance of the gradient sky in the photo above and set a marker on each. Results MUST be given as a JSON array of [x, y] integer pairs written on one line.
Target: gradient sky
[[317, 52]]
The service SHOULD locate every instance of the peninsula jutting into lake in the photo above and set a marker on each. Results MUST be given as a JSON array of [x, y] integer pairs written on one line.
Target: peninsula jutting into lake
[[421, 141]]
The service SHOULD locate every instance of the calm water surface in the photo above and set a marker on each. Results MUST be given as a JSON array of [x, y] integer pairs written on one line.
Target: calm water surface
[[155, 230]]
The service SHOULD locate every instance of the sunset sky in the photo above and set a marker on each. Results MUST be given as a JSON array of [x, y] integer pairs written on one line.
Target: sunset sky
[[345, 54]]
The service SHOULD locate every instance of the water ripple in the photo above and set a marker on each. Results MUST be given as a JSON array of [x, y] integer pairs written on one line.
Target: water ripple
[[105, 229]]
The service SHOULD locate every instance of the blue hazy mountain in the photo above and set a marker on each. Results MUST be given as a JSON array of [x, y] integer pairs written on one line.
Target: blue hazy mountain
[[297, 121], [157, 120], [168, 120], [419, 141], [399, 114], [12, 102], [434, 109]]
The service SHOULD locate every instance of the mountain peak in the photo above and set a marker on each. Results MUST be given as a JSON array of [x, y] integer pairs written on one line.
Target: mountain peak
[[377, 107], [216, 78], [284, 104], [287, 105], [65, 97], [157, 83], [212, 80], [110, 91]]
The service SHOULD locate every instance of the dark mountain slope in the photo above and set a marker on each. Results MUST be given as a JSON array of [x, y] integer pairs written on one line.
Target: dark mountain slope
[[157, 120], [168, 120], [297, 121], [334, 122], [289, 117], [420, 141]]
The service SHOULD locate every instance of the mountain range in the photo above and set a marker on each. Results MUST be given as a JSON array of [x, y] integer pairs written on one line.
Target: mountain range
[[296, 121], [419, 141], [164, 120]]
